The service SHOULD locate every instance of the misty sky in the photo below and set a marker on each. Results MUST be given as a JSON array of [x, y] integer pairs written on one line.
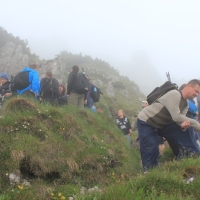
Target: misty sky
[[143, 39]]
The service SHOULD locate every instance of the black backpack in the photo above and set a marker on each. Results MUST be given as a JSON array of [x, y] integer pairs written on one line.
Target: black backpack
[[160, 91], [82, 84], [21, 80], [50, 87], [95, 94]]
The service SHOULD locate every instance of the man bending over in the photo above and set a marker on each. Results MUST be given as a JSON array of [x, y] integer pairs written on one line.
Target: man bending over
[[167, 117]]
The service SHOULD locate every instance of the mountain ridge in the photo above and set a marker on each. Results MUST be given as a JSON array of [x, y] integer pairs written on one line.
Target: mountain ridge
[[119, 91]]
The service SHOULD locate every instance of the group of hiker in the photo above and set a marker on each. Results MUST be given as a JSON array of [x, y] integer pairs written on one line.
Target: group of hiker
[[79, 92], [27, 83], [172, 116]]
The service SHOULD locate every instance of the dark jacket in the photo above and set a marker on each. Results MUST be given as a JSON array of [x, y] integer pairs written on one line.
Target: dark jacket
[[124, 124], [62, 99], [71, 82], [45, 92]]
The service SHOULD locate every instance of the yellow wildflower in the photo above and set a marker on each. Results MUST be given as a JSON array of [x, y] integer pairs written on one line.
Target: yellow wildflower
[[20, 187], [59, 194]]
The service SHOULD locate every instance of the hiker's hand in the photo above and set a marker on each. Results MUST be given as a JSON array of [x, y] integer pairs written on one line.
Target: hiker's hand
[[130, 132], [136, 139], [7, 94], [198, 128], [185, 125], [85, 102]]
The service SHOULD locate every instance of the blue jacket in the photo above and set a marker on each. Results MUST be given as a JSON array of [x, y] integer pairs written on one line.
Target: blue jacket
[[192, 109], [33, 79]]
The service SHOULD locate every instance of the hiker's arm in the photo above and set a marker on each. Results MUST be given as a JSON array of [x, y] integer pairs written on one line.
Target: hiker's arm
[[41, 87], [129, 127], [35, 85], [171, 101], [86, 96], [69, 83]]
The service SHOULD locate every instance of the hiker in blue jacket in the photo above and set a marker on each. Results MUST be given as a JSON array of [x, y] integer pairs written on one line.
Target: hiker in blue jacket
[[34, 87]]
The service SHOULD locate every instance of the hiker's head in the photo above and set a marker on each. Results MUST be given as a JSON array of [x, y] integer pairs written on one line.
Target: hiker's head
[[75, 68], [3, 77], [120, 113], [182, 86], [62, 89], [48, 74], [191, 90], [33, 66]]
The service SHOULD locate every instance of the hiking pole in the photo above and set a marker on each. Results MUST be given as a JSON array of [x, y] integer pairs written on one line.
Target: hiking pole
[[1, 101], [83, 71], [168, 76]]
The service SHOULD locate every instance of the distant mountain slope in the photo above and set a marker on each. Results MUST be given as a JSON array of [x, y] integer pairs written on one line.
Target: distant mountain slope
[[118, 91]]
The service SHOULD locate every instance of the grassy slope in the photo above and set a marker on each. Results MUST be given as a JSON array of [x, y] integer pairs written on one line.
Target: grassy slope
[[62, 149], [57, 147]]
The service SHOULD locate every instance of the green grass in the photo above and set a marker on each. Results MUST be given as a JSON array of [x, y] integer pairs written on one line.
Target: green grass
[[61, 150]]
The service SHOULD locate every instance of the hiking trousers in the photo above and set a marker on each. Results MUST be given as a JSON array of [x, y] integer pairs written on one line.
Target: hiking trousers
[[76, 99], [182, 143], [148, 139]]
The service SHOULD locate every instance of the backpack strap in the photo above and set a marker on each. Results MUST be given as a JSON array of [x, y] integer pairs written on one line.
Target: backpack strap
[[51, 84], [42, 88], [10, 87]]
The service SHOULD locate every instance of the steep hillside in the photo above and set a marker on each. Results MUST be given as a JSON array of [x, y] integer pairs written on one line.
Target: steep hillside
[[51, 147], [53, 153]]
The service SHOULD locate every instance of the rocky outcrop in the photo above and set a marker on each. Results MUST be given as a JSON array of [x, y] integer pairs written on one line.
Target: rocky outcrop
[[56, 66], [97, 82], [12, 59], [110, 90]]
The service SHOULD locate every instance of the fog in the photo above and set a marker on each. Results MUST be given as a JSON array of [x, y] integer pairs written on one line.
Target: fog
[[142, 39]]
